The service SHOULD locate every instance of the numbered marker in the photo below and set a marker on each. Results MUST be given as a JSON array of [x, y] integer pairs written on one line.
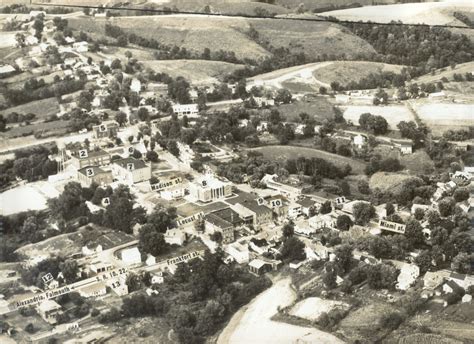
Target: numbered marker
[[47, 278], [105, 201], [83, 153], [130, 166], [102, 128], [204, 183], [260, 201], [89, 172], [131, 150], [276, 203]]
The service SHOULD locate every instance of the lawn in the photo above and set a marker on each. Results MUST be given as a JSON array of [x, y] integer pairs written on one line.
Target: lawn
[[440, 117], [45, 129], [41, 108], [282, 153], [318, 107], [388, 181], [394, 114]]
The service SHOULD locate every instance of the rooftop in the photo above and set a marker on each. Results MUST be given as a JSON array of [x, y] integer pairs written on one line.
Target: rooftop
[[137, 163], [96, 169], [90, 153], [217, 221]]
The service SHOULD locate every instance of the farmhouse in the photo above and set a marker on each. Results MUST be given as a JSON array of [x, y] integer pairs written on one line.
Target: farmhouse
[[359, 141], [185, 109], [94, 174], [405, 146], [131, 170]]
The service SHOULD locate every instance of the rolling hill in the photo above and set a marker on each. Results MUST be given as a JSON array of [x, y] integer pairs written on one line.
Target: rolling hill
[[195, 71], [196, 32], [431, 13]]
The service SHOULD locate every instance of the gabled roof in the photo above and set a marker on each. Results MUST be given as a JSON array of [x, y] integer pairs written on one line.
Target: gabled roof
[[96, 169]]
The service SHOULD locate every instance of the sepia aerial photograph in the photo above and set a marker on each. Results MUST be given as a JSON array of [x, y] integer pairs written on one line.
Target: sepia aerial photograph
[[237, 171]]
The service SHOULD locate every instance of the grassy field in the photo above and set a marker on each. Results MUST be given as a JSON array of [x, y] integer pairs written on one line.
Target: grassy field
[[198, 32], [282, 153], [431, 13], [440, 117], [392, 113], [46, 129], [448, 72], [195, 71], [313, 38], [41, 108], [318, 107], [345, 72], [386, 181]]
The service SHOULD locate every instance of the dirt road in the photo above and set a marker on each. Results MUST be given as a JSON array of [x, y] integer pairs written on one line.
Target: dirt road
[[252, 324], [302, 73]]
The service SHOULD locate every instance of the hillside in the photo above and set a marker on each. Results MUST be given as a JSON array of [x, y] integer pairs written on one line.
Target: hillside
[[195, 71], [448, 73], [196, 32], [345, 72], [431, 13]]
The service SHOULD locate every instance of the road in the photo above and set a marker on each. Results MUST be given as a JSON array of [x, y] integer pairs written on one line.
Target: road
[[276, 78], [253, 324]]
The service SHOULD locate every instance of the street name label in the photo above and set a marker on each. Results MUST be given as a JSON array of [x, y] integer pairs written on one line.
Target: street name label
[[163, 185], [392, 226], [185, 257], [190, 219], [51, 294]]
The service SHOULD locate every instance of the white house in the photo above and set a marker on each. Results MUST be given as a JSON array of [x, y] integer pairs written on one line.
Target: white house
[[131, 256], [136, 85], [131, 171], [172, 193], [175, 236], [94, 290], [322, 221], [408, 275], [239, 251], [185, 109], [294, 210], [157, 278], [88, 250], [81, 47], [49, 310], [359, 141]]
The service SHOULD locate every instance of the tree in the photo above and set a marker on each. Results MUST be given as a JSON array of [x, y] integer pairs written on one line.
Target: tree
[[389, 209], [446, 206], [121, 118], [423, 260], [288, 229], [152, 156], [20, 40], [461, 194], [151, 241], [462, 263], [391, 321], [381, 276], [172, 147], [293, 249], [344, 257], [283, 96], [70, 269], [363, 212], [414, 232], [326, 208], [344, 222]]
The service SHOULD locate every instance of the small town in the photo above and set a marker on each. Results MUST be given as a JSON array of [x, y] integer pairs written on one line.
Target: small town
[[162, 192]]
